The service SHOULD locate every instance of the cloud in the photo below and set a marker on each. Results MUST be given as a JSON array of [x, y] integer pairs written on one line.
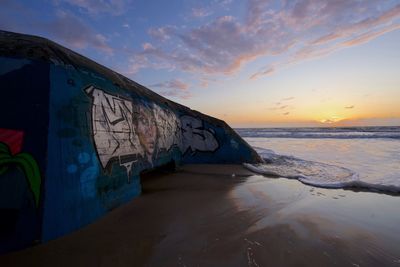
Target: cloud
[[286, 113], [162, 33], [282, 105], [287, 98], [173, 84], [223, 3], [313, 52], [349, 107], [173, 88], [204, 83], [219, 47], [94, 7], [64, 27], [342, 35], [328, 121], [368, 36], [201, 12], [60, 29], [369, 122], [292, 32], [279, 106]]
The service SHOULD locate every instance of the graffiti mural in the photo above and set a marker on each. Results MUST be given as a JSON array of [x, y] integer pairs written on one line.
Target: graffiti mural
[[130, 131], [196, 137], [11, 155], [113, 131]]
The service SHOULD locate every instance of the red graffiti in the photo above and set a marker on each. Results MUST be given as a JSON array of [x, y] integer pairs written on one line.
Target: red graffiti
[[13, 139]]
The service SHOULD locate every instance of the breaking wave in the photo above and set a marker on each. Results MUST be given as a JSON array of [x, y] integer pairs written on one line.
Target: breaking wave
[[314, 173], [319, 133]]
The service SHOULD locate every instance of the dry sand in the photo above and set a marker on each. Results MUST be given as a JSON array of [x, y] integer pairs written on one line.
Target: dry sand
[[201, 215]]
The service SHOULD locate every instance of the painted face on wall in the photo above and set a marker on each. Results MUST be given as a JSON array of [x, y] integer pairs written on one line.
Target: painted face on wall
[[147, 130]]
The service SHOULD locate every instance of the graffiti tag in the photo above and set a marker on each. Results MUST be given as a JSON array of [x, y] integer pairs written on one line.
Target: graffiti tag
[[112, 126], [195, 136]]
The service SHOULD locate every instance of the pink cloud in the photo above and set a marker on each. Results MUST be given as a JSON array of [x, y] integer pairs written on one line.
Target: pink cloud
[[360, 26], [368, 36], [314, 51], [297, 30], [60, 28], [326, 38], [221, 46], [173, 88], [267, 72], [173, 84], [204, 83]]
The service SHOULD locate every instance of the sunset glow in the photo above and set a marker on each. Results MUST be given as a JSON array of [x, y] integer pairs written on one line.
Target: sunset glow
[[251, 63]]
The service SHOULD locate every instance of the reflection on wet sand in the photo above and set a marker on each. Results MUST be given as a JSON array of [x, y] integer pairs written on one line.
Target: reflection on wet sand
[[204, 216], [312, 226]]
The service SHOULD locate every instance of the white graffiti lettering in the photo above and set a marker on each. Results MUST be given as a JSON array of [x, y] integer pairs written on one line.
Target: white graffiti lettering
[[112, 125]]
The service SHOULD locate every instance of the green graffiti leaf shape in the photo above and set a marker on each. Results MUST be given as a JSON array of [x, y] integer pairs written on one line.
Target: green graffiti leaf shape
[[4, 148], [27, 164]]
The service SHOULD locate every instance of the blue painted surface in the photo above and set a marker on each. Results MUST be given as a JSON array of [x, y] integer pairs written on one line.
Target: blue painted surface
[[24, 100], [92, 139], [80, 191], [231, 150]]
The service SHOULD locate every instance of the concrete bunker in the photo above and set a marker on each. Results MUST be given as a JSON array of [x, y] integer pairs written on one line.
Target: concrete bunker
[[86, 134]]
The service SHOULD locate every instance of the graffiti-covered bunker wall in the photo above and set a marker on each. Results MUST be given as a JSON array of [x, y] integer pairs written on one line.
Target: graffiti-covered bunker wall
[[75, 136]]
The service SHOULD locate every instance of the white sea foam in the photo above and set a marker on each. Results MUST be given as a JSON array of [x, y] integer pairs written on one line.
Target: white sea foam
[[316, 173]]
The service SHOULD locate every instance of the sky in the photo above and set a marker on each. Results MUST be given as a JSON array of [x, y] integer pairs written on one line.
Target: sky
[[252, 63]]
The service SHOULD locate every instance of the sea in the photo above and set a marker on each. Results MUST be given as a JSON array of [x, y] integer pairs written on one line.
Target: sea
[[358, 158]]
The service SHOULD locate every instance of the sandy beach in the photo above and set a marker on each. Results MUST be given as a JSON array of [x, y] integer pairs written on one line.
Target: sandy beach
[[224, 215]]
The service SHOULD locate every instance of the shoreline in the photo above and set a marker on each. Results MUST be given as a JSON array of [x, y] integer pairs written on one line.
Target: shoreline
[[202, 215]]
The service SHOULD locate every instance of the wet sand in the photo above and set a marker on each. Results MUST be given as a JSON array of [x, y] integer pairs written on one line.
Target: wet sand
[[201, 215]]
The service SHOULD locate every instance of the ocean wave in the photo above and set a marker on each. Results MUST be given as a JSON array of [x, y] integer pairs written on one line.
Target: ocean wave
[[336, 133], [314, 173]]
